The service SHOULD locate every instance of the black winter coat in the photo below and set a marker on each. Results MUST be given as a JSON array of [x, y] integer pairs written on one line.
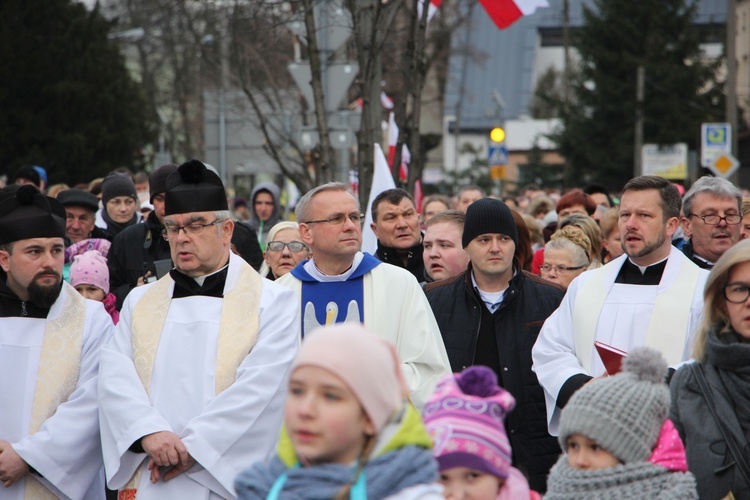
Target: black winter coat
[[526, 305], [133, 253]]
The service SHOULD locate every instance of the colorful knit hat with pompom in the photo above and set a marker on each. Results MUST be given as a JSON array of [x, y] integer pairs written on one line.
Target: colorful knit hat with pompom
[[466, 419]]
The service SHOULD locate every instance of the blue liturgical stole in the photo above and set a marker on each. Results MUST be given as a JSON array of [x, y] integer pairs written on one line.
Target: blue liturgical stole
[[324, 303]]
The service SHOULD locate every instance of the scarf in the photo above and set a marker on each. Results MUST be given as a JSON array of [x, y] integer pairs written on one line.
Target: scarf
[[113, 227], [385, 475], [731, 357], [635, 481]]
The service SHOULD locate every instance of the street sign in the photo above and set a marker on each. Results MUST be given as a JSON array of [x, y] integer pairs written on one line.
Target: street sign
[[497, 155], [668, 161], [338, 78], [716, 141], [333, 21], [497, 172], [724, 165]]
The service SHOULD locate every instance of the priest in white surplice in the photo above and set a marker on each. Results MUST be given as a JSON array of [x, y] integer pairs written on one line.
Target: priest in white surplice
[[192, 383], [652, 295], [50, 338]]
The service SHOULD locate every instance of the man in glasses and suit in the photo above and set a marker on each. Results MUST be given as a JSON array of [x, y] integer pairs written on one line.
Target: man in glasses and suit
[[711, 218], [194, 378], [340, 283]]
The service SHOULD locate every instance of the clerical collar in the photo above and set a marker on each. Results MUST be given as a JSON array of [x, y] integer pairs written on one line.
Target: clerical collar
[[210, 285], [708, 263], [316, 273], [633, 274]]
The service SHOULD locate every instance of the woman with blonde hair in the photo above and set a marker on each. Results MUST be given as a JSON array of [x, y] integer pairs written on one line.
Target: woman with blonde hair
[[591, 229], [284, 250], [566, 255], [711, 398]]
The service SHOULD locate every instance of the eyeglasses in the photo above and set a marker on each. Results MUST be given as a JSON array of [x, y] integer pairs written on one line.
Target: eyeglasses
[[736, 293], [278, 246], [339, 219], [715, 220], [193, 229], [560, 269]]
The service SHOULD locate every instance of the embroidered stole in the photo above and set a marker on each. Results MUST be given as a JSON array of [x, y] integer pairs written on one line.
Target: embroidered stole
[[667, 327], [237, 335], [59, 366]]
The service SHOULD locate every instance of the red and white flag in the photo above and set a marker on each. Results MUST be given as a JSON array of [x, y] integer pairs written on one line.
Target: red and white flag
[[403, 169], [503, 12], [381, 181], [506, 12], [418, 195], [432, 7]]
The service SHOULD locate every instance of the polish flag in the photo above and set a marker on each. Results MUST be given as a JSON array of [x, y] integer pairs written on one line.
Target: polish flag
[[432, 7], [506, 12], [403, 169], [381, 181], [418, 195]]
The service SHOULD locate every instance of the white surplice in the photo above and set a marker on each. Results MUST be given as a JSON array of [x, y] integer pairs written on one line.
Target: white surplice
[[66, 450], [224, 434], [623, 322]]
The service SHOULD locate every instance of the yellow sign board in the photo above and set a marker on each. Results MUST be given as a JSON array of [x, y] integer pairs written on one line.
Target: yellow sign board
[[497, 172]]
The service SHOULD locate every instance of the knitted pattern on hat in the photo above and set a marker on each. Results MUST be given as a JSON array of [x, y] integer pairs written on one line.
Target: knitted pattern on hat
[[465, 418], [488, 216], [90, 269], [623, 413], [115, 185]]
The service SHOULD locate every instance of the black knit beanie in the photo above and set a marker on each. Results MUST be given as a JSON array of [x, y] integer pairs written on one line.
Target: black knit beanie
[[488, 215], [115, 185], [157, 181]]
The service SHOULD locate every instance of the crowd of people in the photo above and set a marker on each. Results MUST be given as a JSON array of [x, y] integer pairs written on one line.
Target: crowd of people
[[159, 340]]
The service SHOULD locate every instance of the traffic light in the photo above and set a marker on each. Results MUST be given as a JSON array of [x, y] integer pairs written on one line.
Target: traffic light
[[497, 134]]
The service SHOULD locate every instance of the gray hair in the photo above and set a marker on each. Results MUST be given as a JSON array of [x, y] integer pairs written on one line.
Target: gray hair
[[302, 210], [716, 186]]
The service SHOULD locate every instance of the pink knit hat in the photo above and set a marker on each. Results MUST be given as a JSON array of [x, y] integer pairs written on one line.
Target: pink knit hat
[[366, 363], [90, 269], [466, 419]]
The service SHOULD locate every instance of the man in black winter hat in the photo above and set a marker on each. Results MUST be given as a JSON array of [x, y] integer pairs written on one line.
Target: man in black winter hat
[[491, 315], [80, 209]]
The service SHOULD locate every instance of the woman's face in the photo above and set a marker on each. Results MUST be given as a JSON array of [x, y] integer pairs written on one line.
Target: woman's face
[[121, 209], [557, 266], [282, 261], [612, 244], [737, 288]]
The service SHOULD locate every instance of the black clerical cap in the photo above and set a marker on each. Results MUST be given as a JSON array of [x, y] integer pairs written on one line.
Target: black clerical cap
[[26, 213], [194, 188]]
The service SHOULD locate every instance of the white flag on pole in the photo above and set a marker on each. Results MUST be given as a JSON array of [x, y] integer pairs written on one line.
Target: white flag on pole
[[381, 181]]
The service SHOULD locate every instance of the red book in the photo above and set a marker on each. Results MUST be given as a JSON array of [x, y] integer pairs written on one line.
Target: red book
[[611, 357]]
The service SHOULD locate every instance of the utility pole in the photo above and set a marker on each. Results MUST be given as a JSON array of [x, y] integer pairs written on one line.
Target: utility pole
[[638, 140], [731, 99]]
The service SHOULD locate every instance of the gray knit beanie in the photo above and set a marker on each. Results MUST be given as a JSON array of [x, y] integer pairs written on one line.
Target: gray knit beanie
[[115, 185], [488, 215], [623, 413]]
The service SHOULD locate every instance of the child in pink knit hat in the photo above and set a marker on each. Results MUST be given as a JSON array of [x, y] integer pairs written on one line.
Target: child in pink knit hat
[[89, 275], [348, 430], [466, 419]]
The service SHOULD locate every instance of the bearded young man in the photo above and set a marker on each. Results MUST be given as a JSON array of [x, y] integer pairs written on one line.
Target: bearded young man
[[652, 295], [49, 358]]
